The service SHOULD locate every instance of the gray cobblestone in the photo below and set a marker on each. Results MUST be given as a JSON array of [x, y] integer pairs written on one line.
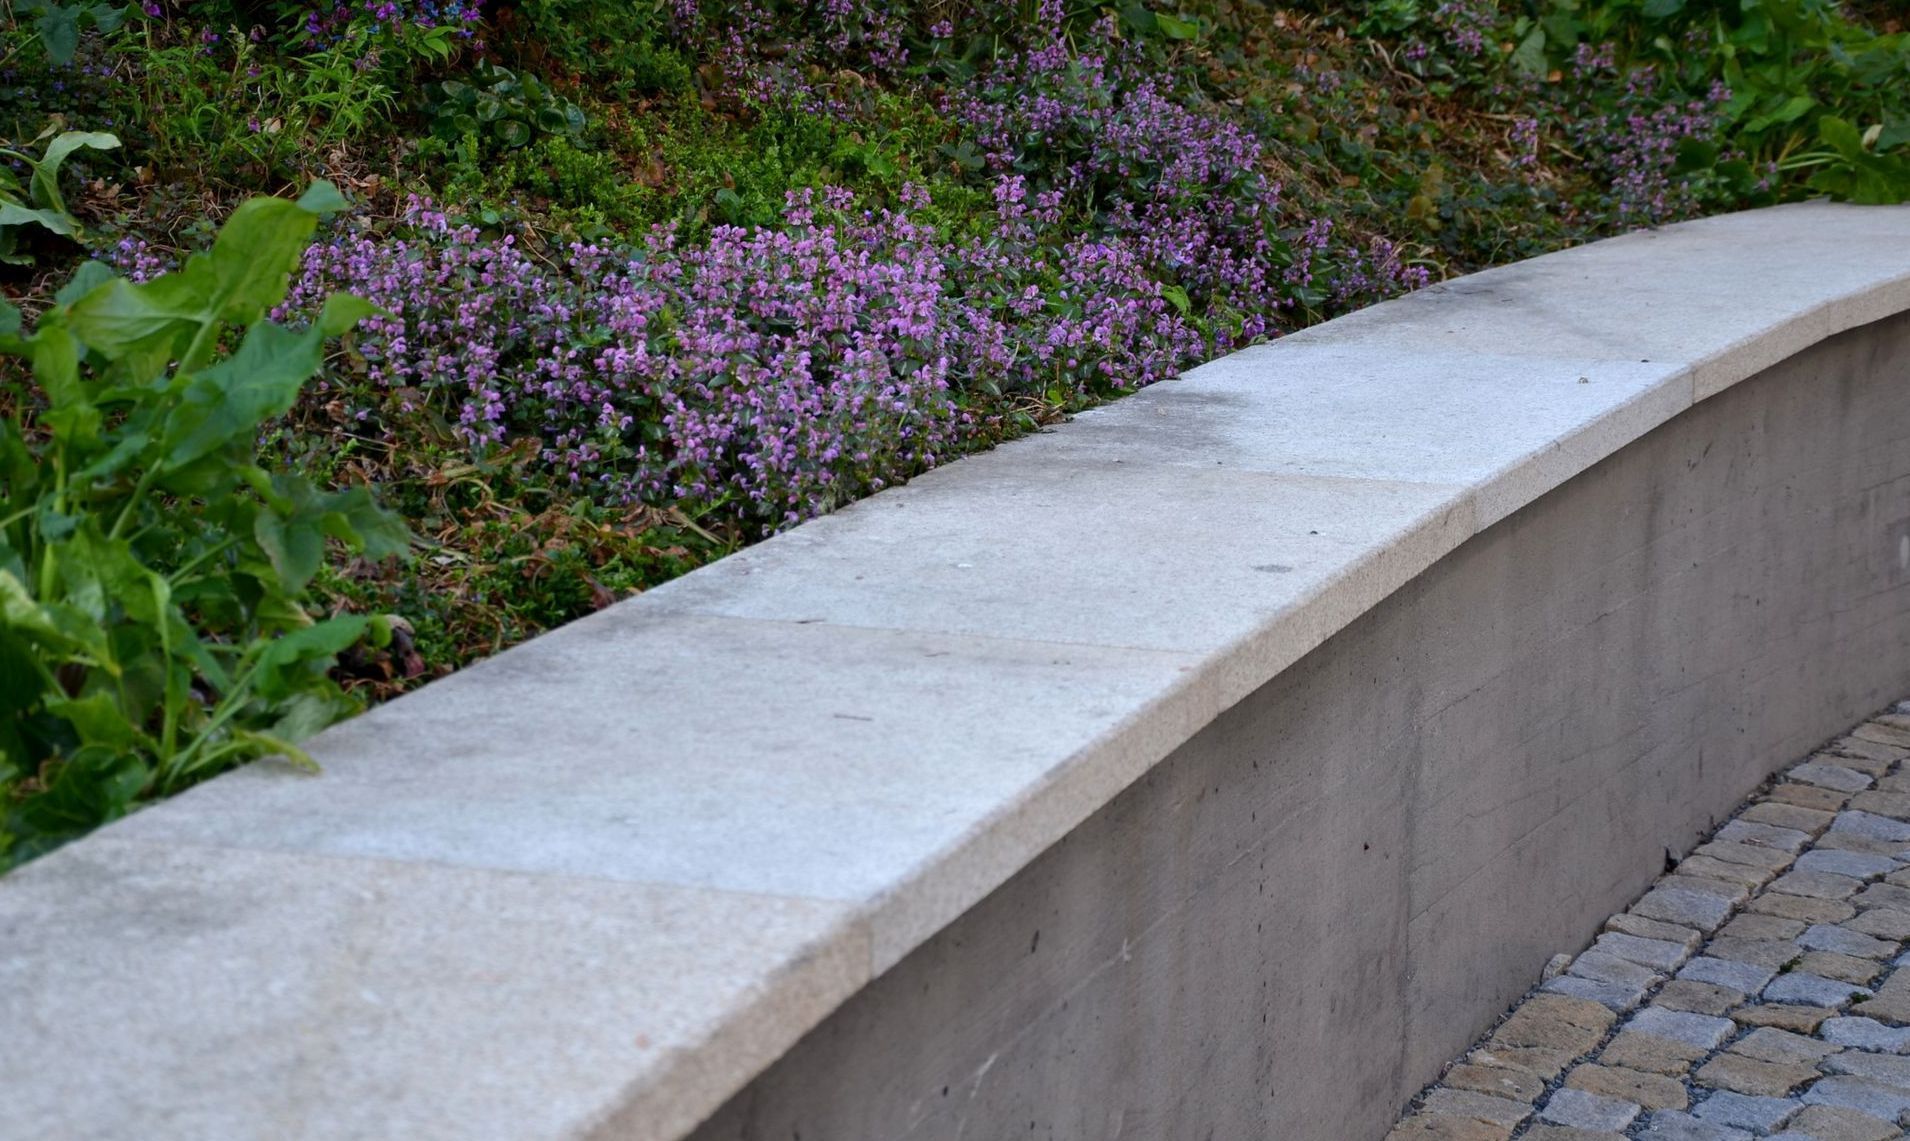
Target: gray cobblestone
[[1827, 775], [1871, 825], [1882, 922], [1813, 990], [1763, 835], [1858, 865], [1860, 1094], [1701, 910], [1615, 995], [1829, 937], [1484, 1107], [1817, 885], [1682, 1026], [1660, 955], [1601, 966], [1866, 1034], [1889, 1069], [1761, 1114], [1582, 1110], [1638, 927], [1673, 1125], [1747, 977]]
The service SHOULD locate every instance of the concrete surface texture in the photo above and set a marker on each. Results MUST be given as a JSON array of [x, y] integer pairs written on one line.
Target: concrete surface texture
[[1289, 925], [1759, 989], [595, 886]]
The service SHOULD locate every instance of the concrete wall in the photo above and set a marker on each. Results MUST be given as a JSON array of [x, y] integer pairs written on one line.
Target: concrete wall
[[1285, 929]]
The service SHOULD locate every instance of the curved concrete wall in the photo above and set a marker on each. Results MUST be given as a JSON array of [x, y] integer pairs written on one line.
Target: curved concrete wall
[[1210, 767], [1288, 926]]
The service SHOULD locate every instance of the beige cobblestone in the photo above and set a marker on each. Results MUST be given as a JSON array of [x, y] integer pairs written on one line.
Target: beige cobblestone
[[1769, 1044], [1483, 1107], [1835, 1123], [1635, 1051], [1883, 733], [1843, 968], [1882, 922], [1435, 1127], [1698, 997], [1853, 747], [1653, 1091], [1751, 925], [1567, 1133], [1763, 952], [1756, 855], [1749, 1076], [1892, 895], [1837, 841], [1784, 1016], [1709, 867], [1895, 805], [1546, 1062], [1778, 814], [1810, 796], [1499, 1081], [1625, 923], [1801, 908]]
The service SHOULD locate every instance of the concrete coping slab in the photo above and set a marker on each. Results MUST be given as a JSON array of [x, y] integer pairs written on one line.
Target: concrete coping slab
[[594, 885]]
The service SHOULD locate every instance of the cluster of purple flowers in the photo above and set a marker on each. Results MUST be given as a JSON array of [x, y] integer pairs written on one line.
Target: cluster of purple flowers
[[1636, 143], [777, 371], [1095, 140], [1342, 277], [1466, 26], [330, 21], [769, 52]]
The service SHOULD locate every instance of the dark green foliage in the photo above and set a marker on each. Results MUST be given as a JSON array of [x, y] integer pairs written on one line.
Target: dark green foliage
[[500, 106], [154, 628]]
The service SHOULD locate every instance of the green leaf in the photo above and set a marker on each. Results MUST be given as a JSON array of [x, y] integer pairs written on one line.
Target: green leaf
[[59, 29], [1175, 28], [106, 18], [88, 277], [1662, 9], [513, 132], [230, 400], [97, 719], [321, 198], [95, 785], [255, 253], [1529, 57], [1695, 155], [296, 547], [319, 641], [45, 183], [12, 214]]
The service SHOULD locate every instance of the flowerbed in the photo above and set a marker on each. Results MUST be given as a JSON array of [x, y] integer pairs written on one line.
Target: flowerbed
[[656, 279]]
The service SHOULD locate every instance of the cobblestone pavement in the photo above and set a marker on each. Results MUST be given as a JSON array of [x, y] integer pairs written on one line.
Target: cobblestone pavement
[[1760, 989]]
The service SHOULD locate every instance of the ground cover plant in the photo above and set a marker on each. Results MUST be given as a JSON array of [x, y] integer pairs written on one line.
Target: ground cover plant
[[639, 282]]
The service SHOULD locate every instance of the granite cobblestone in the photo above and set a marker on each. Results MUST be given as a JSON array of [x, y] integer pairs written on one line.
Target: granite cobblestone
[[1760, 989]]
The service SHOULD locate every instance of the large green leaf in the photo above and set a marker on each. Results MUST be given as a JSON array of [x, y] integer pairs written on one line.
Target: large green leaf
[[45, 183]]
